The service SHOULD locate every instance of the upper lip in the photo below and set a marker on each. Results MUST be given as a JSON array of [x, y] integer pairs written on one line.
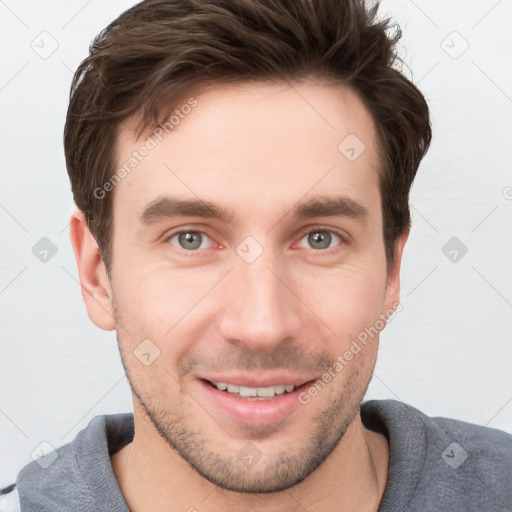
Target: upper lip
[[258, 381]]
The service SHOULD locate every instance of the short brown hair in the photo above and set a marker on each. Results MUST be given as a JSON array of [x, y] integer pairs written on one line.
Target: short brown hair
[[154, 52]]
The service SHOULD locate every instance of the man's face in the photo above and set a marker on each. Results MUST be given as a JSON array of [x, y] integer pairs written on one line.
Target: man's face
[[261, 297]]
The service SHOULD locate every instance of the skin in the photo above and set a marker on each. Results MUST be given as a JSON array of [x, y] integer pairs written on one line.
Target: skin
[[257, 149]]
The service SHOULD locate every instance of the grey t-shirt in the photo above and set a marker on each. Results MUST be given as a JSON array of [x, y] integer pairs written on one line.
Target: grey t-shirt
[[437, 464]]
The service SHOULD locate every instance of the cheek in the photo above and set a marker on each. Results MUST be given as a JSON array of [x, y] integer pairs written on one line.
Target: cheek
[[348, 300], [156, 297], [164, 306]]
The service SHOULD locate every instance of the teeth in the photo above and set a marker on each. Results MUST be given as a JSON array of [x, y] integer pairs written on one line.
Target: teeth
[[266, 391], [244, 391], [252, 392]]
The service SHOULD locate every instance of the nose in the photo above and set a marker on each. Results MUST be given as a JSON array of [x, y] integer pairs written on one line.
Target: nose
[[260, 309]]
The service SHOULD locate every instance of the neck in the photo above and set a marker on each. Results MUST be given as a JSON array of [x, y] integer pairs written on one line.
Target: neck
[[154, 476]]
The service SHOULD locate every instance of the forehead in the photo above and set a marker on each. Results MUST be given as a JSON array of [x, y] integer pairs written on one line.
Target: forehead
[[253, 147]]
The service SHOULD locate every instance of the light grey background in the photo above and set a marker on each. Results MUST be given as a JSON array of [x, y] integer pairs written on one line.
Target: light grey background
[[448, 352]]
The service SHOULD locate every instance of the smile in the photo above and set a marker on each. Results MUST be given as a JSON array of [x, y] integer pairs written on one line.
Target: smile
[[256, 405], [253, 393]]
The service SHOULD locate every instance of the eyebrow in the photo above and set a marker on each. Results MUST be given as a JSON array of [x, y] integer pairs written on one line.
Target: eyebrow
[[170, 207]]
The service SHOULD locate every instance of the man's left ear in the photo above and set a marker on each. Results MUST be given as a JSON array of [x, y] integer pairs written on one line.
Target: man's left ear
[[392, 293]]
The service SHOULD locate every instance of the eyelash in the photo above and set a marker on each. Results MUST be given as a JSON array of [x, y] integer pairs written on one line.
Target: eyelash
[[302, 234]]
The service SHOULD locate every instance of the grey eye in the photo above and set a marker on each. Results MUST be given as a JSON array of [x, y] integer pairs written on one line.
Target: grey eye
[[190, 240], [320, 239]]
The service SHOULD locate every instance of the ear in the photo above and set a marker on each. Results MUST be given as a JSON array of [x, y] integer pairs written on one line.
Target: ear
[[96, 288], [392, 292]]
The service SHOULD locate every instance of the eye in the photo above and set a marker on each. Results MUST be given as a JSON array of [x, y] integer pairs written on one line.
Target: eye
[[320, 239], [190, 240]]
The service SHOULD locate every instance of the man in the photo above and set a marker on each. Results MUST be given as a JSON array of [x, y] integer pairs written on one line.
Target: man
[[242, 171]]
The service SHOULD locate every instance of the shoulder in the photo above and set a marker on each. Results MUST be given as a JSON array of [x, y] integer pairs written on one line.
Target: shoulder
[[402, 419], [443, 461], [74, 472], [482, 454]]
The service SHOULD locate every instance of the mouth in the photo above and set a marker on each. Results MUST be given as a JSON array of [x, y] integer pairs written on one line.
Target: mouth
[[255, 393], [255, 406]]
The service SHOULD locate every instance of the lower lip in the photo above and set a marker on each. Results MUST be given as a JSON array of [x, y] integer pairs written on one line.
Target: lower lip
[[254, 412]]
